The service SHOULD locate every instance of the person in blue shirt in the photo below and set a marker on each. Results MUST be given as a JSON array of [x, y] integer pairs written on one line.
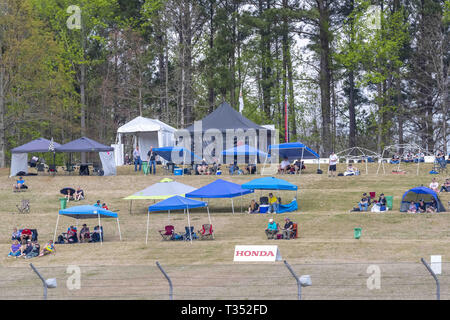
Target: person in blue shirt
[[272, 229], [97, 204], [20, 184]]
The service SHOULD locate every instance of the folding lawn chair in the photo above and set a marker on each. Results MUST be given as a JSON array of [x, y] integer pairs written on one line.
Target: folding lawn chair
[[24, 206], [190, 234], [206, 233], [167, 233]]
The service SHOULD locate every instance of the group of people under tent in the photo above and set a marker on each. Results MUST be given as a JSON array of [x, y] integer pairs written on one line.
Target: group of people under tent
[[84, 235], [295, 167], [272, 201]]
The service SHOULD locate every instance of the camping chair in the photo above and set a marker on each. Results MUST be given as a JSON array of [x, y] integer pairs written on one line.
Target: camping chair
[[372, 195], [69, 168], [40, 167], [206, 233], [167, 233], [24, 206], [294, 233], [190, 234], [52, 169]]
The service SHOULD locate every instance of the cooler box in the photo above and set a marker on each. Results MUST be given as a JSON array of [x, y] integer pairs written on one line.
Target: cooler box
[[178, 172], [390, 202], [263, 208]]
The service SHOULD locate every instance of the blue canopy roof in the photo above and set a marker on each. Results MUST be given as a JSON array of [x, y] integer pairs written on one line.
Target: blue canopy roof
[[244, 150], [87, 212], [219, 189], [269, 183], [293, 150], [84, 144], [177, 203], [38, 145], [176, 154]]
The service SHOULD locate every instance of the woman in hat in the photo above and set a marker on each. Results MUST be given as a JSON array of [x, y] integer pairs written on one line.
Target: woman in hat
[[272, 229]]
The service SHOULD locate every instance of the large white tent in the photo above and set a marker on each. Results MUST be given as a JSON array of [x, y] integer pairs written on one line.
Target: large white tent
[[146, 132]]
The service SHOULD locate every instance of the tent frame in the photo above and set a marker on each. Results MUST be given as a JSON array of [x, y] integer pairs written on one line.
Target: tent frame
[[364, 155]]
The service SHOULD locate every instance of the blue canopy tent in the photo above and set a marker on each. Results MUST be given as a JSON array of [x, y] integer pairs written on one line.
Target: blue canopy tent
[[245, 151], [88, 212], [19, 155], [219, 189], [178, 155], [272, 183], [419, 193], [85, 144], [293, 151], [176, 203]]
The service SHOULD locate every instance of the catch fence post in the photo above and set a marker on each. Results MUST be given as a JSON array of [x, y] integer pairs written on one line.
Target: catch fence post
[[168, 279], [44, 283], [438, 286], [299, 285]]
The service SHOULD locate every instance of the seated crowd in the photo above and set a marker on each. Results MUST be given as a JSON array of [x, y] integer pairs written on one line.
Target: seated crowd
[[288, 232], [25, 245], [366, 201], [85, 235], [291, 168], [271, 201]]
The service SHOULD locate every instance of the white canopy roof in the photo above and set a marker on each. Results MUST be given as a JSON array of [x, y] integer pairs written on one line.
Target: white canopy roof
[[141, 124]]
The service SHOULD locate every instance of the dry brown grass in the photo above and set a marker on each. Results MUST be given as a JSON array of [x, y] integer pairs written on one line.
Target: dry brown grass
[[326, 226]]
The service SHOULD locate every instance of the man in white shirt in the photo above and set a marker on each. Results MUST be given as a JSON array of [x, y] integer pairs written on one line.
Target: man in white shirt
[[284, 166], [333, 162], [434, 185]]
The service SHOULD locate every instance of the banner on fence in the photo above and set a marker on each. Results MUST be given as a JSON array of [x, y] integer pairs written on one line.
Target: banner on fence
[[257, 253]]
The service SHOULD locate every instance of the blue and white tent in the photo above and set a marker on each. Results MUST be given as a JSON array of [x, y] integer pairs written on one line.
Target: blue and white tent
[[243, 152], [176, 203], [177, 155], [421, 193], [88, 212]]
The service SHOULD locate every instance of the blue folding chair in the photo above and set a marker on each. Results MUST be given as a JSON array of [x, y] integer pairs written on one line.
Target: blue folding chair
[[190, 234]]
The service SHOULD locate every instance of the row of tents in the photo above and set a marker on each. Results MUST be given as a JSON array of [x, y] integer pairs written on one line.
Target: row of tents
[[176, 196]]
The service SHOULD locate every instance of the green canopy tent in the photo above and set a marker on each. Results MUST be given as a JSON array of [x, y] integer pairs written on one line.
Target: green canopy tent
[[162, 190]]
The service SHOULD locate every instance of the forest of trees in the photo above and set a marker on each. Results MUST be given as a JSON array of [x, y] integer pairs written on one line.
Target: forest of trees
[[354, 72]]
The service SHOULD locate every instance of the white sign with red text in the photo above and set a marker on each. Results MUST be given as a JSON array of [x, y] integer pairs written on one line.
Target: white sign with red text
[[257, 253]]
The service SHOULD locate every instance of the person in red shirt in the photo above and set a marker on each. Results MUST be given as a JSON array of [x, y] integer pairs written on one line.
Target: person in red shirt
[[25, 235], [104, 206]]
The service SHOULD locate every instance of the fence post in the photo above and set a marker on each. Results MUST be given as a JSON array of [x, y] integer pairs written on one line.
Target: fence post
[[438, 286], [42, 279], [168, 279], [299, 285]]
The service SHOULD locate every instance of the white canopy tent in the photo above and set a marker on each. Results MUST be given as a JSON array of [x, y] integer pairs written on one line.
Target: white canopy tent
[[147, 132], [357, 154], [402, 150]]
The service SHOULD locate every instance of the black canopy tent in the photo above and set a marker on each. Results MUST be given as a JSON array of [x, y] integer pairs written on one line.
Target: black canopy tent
[[226, 118]]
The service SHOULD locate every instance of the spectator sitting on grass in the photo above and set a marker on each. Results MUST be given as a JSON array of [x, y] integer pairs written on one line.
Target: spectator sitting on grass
[[446, 186], [26, 249], [79, 194], [434, 185], [364, 203], [36, 249], [422, 207], [20, 184], [15, 235], [48, 249], [432, 208], [254, 207], [15, 249], [412, 208]]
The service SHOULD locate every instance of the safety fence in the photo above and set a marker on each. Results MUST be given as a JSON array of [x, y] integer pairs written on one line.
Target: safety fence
[[274, 281]]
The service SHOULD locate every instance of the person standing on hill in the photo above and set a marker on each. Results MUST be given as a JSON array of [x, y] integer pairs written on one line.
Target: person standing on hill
[[333, 164], [152, 160], [137, 159]]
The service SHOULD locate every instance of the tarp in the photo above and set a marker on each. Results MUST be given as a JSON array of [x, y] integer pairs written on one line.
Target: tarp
[[244, 150], [84, 144], [284, 208], [19, 163], [108, 163], [225, 117], [177, 203], [38, 145], [293, 150], [416, 194], [269, 183], [87, 212], [176, 155], [162, 190], [219, 189]]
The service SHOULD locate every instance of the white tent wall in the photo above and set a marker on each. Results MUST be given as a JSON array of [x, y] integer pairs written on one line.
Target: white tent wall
[[119, 154], [108, 163], [19, 162], [146, 140]]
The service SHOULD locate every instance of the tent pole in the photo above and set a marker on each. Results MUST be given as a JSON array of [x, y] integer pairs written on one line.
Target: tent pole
[[131, 204], [57, 221], [232, 205], [148, 221], [367, 169], [209, 218], [100, 229], [118, 226], [189, 224], [303, 150]]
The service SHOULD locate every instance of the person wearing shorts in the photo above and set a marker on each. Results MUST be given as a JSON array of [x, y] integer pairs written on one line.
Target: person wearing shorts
[[333, 163]]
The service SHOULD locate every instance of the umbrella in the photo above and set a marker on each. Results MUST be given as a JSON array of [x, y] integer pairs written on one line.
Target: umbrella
[[64, 191]]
